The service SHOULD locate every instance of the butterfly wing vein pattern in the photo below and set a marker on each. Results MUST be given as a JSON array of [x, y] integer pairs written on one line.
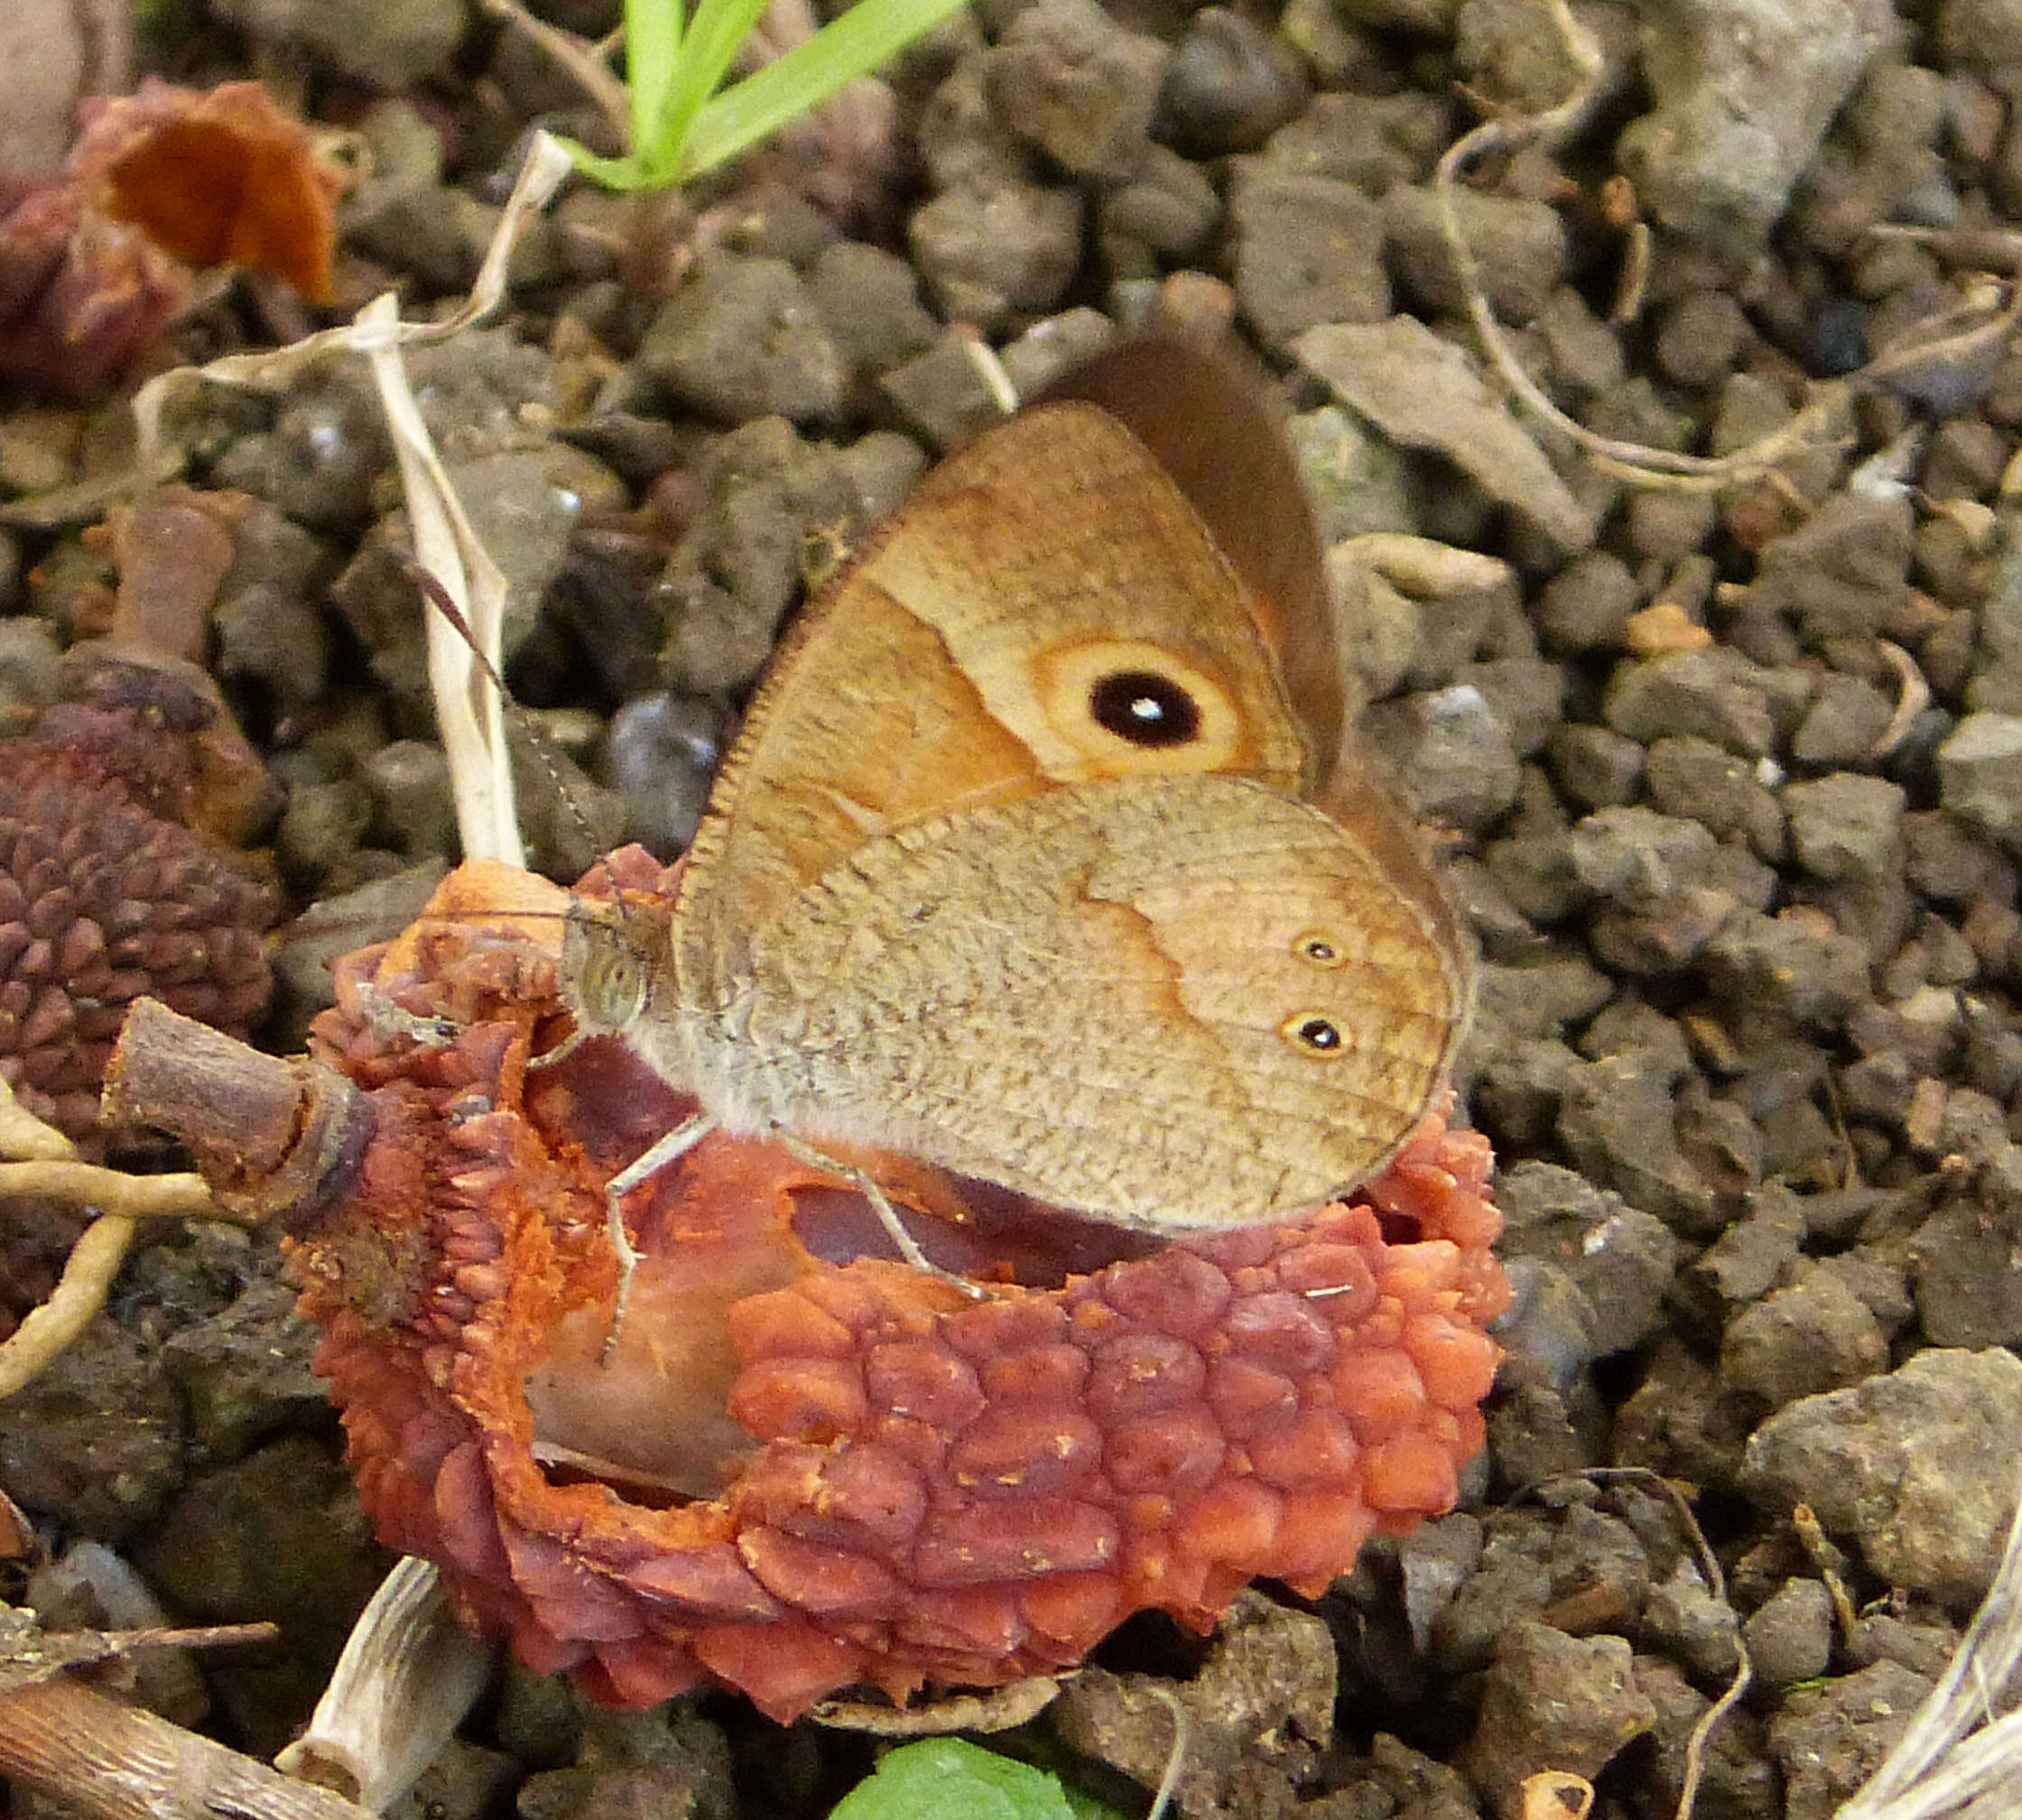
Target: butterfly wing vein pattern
[[1047, 993]]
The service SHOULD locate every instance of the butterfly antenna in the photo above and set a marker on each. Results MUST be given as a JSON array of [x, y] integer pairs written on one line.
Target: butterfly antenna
[[670, 1146], [537, 736]]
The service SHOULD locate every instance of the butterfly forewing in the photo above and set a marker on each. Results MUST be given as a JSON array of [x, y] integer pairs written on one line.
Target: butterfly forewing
[[952, 664]]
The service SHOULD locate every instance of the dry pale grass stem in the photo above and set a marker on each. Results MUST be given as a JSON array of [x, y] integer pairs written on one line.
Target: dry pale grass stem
[[1989, 311], [41, 1166]]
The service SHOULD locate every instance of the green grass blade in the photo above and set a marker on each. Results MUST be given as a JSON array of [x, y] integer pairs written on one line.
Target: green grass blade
[[653, 59], [715, 36], [870, 33], [613, 173]]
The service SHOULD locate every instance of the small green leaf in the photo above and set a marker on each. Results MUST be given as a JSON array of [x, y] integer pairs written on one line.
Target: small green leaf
[[653, 61], [852, 44], [949, 1778], [673, 70], [716, 35]]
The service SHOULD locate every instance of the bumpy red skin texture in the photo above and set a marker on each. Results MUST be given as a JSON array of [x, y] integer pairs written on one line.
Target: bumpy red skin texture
[[102, 899], [924, 1490]]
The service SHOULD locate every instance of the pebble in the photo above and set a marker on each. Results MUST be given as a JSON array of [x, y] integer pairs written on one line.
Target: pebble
[[1373, 142], [743, 338], [1813, 1336], [1519, 246], [960, 140], [1699, 336], [1530, 1561], [409, 781], [743, 562], [321, 827], [1308, 250], [1452, 755], [996, 248], [1980, 775], [1846, 719], [1747, 1260], [1527, 695], [869, 302], [1547, 1334], [30, 662], [384, 47], [1969, 1269], [1359, 483], [1586, 605], [1792, 964], [1506, 50], [1743, 91], [1725, 794], [1622, 1259], [662, 752], [1790, 1634], [1054, 348], [1843, 573], [1900, 1466], [1617, 1121], [321, 460], [1715, 695], [1230, 85], [1258, 1711], [1595, 767], [1684, 1620], [1829, 1739], [1638, 857], [942, 395], [1846, 825], [1071, 81], [1164, 212], [1984, 35], [1550, 1702]]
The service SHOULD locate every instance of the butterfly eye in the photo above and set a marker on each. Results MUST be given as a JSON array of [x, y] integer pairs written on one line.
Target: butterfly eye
[[1316, 1036], [1144, 707], [617, 986], [1318, 950]]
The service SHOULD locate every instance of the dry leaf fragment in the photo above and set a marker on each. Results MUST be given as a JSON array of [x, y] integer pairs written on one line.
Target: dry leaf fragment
[[222, 178], [96, 263]]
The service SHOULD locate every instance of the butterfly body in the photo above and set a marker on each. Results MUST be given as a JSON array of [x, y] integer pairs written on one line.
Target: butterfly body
[[1013, 870]]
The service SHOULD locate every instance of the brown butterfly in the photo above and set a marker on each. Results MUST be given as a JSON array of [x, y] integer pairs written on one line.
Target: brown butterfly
[[1027, 865]]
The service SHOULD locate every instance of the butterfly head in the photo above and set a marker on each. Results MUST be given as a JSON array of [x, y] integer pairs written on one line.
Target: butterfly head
[[606, 967]]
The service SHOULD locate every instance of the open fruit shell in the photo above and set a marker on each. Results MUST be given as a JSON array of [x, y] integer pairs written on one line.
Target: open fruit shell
[[805, 1466]]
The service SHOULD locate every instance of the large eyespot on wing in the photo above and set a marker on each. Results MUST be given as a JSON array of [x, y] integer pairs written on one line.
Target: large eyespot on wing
[[1124, 706]]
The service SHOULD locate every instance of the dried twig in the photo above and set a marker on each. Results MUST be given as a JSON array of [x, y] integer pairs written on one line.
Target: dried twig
[[408, 1675], [30, 1655], [588, 63], [45, 1332], [103, 1760]]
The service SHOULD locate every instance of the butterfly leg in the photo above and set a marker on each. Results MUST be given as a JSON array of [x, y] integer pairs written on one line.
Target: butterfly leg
[[677, 1142], [909, 1247], [568, 1046]]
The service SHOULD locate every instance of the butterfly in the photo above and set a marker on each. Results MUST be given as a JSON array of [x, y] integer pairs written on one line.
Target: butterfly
[[1040, 857]]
